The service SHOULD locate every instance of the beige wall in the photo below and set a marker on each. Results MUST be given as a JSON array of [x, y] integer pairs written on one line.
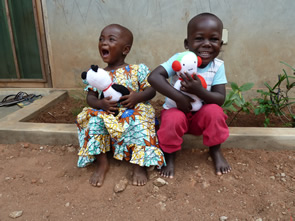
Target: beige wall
[[260, 34]]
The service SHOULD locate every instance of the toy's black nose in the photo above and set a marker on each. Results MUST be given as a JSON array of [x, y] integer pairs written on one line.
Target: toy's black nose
[[83, 75]]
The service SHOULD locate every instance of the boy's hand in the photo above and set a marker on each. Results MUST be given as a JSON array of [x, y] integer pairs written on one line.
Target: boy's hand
[[190, 84], [108, 106], [184, 104], [130, 100]]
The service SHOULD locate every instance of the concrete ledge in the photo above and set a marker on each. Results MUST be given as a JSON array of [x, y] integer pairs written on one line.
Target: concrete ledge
[[13, 129]]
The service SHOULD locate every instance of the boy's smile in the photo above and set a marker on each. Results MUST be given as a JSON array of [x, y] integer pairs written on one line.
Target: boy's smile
[[205, 39]]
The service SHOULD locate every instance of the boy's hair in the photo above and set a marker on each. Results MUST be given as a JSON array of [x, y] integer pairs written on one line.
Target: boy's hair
[[205, 14]]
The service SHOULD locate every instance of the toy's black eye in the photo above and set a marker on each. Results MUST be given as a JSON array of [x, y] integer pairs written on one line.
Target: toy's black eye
[[183, 64]]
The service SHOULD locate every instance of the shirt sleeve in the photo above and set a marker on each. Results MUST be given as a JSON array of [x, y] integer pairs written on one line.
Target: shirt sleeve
[[220, 77], [168, 65]]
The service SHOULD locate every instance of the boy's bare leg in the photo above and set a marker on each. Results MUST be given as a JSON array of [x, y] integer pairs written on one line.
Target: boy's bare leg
[[139, 176], [168, 170], [101, 167], [221, 165]]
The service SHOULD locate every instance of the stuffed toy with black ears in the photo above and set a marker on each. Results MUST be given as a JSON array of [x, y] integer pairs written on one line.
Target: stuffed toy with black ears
[[187, 62], [100, 79]]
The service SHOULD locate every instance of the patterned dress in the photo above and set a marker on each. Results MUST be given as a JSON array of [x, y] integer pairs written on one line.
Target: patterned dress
[[131, 134]]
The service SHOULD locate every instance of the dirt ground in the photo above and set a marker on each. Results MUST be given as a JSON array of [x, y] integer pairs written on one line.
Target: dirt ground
[[43, 183]]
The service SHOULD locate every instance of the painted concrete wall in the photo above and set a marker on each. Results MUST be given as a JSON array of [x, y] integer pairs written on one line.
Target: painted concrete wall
[[261, 33]]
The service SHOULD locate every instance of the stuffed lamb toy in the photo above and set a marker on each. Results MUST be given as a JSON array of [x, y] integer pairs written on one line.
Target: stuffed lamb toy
[[100, 79], [187, 62]]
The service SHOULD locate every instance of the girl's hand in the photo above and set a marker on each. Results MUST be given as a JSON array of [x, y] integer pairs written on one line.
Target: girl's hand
[[108, 106], [130, 100], [191, 84]]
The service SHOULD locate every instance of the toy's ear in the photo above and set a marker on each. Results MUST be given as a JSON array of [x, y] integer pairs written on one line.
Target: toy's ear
[[176, 66], [83, 75], [199, 61], [94, 67]]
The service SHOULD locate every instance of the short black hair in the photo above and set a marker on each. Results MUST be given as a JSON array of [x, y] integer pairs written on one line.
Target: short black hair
[[205, 14]]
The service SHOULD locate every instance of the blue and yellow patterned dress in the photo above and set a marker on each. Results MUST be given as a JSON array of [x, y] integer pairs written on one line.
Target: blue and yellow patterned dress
[[131, 134]]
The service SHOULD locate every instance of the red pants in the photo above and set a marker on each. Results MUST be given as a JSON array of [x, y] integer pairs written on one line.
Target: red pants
[[209, 121]]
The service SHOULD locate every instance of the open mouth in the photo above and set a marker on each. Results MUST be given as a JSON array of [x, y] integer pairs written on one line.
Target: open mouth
[[105, 52], [204, 54]]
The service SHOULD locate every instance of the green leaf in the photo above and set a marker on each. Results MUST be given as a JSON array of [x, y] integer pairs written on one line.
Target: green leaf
[[234, 86], [246, 86]]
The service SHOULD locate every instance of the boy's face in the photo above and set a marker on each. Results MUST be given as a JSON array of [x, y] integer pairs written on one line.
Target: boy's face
[[205, 39], [113, 44]]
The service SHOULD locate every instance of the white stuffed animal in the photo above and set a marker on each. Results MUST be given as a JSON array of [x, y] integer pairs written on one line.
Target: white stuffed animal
[[187, 62], [100, 79]]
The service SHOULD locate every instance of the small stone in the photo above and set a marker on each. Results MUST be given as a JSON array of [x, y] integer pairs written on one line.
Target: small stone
[[15, 214], [210, 159], [33, 181], [71, 149], [272, 177], [160, 182], [121, 186], [283, 179], [283, 174], [41, 148], [67, 204], [223, 218], [162, 206], [8, 178], [259, 219], [25, 145]]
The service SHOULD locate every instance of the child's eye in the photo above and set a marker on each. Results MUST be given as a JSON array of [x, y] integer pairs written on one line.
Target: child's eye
[[198, 38], [112, 39], [214, 39]]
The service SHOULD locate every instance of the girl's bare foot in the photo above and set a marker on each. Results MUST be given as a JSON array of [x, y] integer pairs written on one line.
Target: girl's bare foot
[[139, 176], [101, 167], [168, 170], [221, 165]]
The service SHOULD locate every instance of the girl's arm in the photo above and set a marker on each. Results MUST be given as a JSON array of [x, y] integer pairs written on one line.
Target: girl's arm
[[136, 97], [105, 103], [158, 80]]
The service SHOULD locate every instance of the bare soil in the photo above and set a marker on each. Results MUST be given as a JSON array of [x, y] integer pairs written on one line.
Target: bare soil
[[44, 183]]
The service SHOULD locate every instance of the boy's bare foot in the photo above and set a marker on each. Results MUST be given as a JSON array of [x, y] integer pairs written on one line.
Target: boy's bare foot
[[221, 165], [102, 167], [139, 176], [168, 170]]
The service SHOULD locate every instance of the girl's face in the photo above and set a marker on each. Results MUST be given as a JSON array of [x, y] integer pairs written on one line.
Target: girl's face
[[205, 39], [112, 46]]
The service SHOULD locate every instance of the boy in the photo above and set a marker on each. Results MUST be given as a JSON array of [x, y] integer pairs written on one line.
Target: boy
[[204, 38]]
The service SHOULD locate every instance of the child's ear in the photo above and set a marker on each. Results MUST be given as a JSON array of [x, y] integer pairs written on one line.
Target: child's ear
[[126, 49], [185, 44]]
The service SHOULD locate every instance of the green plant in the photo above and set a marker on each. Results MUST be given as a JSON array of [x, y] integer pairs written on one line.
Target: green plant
[[276, 100], [235, 99]]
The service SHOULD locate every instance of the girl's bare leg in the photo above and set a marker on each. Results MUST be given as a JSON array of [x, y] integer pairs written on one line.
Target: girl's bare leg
[[139, 176], [101, 167]]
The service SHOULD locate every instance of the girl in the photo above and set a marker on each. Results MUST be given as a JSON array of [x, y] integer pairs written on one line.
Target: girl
[[131, 133], [204, 38]]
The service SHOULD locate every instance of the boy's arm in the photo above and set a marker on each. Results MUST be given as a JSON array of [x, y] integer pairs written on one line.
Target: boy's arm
[[158, 80], [194, 86]]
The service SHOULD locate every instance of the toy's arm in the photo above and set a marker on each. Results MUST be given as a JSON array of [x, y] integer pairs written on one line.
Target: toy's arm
[[158, 80]]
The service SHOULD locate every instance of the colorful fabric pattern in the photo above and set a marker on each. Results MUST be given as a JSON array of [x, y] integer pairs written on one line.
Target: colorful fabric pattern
[[131, 134]]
